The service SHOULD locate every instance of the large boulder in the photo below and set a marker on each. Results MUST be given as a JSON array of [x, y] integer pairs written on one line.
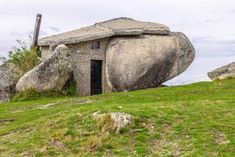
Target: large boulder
[[9, 75], [225, 72], [143, 62], [51, 74]]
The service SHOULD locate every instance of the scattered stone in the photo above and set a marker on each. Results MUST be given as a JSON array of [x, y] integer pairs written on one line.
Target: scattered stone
[[225, 72], [51, 74], [112, 121]]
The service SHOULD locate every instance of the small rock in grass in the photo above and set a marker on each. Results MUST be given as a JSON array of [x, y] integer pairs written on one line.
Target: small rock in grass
[[112, 121]]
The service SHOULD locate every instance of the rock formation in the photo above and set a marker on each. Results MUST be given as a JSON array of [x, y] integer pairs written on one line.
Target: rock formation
[[132, 63], [137, 63], [133, 54], [51, 74], [225, 72], [9, 75]]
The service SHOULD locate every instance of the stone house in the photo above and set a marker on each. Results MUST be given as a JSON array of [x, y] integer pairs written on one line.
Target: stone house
[[89, 45], [117, 55]]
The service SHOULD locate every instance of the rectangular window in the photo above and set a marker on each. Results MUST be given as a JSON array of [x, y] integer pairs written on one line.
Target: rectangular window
[[95, 45]]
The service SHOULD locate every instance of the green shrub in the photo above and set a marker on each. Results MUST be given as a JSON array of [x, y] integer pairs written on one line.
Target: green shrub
[[24, 58], [70, 87]]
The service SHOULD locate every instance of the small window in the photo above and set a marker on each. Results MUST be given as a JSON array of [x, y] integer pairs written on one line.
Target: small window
[[95, 45]]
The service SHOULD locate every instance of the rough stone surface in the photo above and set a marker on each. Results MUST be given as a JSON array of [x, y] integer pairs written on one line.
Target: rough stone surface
[[9, 75], [185, 54], [225, 72], [134, 63], [51, 74], [118, 120], [121, 120]]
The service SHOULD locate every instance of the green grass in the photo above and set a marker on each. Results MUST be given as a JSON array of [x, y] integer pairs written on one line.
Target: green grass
[[190, 120]]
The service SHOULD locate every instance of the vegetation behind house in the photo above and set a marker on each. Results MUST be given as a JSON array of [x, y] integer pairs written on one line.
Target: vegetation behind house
[[23, 57]]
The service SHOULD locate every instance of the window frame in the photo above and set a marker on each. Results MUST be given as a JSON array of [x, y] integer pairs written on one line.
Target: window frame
[[95, 45]]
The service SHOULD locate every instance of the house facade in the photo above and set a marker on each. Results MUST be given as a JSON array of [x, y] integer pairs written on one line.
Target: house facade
[[89, 60]]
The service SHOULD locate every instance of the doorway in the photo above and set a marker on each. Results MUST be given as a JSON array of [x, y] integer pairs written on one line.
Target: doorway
[[96, 77]]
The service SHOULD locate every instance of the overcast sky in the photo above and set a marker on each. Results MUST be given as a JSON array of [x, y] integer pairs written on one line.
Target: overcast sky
[[209, 24]]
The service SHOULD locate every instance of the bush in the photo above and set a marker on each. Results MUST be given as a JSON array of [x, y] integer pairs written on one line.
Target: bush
[[24, 58], [70, 87]]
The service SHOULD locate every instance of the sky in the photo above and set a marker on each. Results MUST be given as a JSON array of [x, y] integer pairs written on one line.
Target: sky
[[209, 24]]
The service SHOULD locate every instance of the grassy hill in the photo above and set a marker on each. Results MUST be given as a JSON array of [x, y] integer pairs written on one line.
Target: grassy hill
[[190, 120]]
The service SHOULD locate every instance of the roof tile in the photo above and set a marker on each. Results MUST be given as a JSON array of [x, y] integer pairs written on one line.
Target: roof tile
[[117, 26]]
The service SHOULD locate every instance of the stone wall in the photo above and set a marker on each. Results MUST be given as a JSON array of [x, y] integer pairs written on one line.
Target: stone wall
[[82, 54]]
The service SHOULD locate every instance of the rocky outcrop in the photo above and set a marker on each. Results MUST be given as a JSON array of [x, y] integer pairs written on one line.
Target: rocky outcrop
[[225, 72], [9, 75], [134, 63], [51, 74]]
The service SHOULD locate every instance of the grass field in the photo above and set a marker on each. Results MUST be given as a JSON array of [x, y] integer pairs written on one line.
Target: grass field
[[190, 120]]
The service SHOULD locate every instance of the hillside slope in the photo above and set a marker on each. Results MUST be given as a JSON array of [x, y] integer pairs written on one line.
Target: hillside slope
[[190, 120]]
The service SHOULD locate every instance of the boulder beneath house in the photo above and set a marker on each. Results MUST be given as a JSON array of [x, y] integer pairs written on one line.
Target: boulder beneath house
[[9, 75], [51, 74], [225, 72], [134, 63]]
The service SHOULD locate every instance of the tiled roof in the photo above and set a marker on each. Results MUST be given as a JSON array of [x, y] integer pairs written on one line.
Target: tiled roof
[[118, 26]]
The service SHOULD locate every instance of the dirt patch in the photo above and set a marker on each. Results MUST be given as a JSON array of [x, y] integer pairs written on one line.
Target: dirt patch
[[220, 137], [95, 142], [6, 121], [34, 107], [57, 144], [49, 105], [79, 101], [27, 154], [43, 107], [168, 146]]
